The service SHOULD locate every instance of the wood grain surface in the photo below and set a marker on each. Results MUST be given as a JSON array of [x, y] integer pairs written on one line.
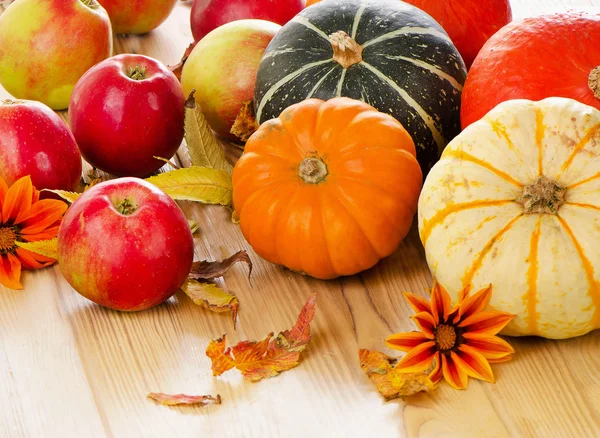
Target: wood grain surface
[[69, 368]]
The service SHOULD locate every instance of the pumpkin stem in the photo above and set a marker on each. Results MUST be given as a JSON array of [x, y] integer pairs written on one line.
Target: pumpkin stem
[[594, 81], [544, 196], [346, 51], [312, 170]]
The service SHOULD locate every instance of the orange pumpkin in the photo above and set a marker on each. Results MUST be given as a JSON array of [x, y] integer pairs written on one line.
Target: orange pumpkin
[[311, 2], [328, 188]]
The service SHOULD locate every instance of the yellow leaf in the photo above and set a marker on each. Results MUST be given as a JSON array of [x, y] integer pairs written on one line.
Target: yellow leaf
[[212, 297], [194, 227], [67, 196], [46, 248], [202, 145], [200, 184], [390, 381]]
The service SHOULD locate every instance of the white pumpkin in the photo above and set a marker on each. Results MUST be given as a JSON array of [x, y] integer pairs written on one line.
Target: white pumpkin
[[515, 202]]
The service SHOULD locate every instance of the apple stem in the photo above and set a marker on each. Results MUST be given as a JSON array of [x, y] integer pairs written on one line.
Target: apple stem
[[137, 73], [92, 4], [126, 207]]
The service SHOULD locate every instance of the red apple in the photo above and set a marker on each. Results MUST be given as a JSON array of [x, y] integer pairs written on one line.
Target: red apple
[[137, 16], [210, 14], [35, 141], [125, 244], [222, 69], [125, 111], [47, 45]]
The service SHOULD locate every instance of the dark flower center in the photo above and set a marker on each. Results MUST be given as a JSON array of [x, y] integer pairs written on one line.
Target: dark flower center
[[445, 337], [8, 237]]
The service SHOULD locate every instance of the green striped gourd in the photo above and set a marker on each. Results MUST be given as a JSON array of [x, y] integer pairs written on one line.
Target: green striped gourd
[[385, 52]]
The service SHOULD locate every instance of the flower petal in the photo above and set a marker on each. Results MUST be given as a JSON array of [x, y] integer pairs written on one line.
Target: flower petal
[[418, 304], [491, 347], [10, 271], [42, 215], [436, 374], [454, 375], [3, 191], [405, 341], [476, 303], [487, 322], [440, 303], [30, 260], [418, 359], [474, 364], [18, 199], [47, 234], [502, 359], [425, 322]]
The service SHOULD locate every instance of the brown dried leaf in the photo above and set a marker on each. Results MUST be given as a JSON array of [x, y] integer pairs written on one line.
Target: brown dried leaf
[[178, 68], [266, 358], [203, 147], [183, 399], [390, 382], [212, 297], [208, 270], [245, 123]]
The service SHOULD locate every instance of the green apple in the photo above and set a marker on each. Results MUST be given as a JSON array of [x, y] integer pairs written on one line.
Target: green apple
[[47, 45]]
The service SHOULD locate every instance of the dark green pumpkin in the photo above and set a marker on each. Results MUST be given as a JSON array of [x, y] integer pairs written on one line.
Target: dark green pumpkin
[[385, 52]]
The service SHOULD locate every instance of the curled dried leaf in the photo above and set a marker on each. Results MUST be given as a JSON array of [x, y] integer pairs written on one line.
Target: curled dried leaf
[[390, 382], [266, 358], [199, 184], [183, 399], [245, 123], [208, 270], [212, 297], [202, 145], [178, 68], [46, 248]]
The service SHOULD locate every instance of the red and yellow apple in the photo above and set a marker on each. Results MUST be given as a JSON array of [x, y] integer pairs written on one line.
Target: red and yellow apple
[[47, 45], [124, 112], [222, 69], [125, 244], [137, 16], [207, 15], [35, 141]]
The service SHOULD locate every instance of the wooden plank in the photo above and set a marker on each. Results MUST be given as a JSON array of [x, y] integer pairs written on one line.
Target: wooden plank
[[70, 368]]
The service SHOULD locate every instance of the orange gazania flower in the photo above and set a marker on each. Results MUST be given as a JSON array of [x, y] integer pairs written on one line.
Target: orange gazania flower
[[24, 218], [461, 339]]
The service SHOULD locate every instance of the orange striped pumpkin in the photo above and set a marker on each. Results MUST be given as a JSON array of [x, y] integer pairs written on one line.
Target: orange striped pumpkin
[[515, 202]]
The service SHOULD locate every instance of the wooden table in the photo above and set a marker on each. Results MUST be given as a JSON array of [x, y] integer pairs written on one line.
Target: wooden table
[[69, 368]]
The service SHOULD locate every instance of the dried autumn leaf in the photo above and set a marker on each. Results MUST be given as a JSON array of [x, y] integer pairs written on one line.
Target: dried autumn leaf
[[46, 248], [200, 184], [178, 68], [212, 297], [266, 358], [391, 383], [208, 270], [245, 123], [203, 147], [183, 399]]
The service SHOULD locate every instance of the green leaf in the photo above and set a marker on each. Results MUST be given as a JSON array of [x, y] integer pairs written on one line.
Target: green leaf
[[67, 196], [46, 248], [199, 184], [203, 147]]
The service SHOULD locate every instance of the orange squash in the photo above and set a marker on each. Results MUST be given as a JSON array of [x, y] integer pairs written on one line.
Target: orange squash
[[327, 188]]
